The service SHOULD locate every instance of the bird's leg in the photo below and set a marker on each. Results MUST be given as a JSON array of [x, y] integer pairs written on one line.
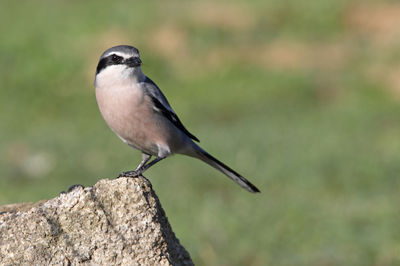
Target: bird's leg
[[145, 158], [150, 164]]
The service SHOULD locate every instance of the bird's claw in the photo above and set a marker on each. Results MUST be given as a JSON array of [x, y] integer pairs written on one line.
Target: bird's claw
[[133, 173]]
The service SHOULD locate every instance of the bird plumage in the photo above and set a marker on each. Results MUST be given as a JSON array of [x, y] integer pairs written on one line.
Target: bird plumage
[[138, 112]]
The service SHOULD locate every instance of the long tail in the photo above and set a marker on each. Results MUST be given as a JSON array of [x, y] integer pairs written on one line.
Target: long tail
[[240, 180]]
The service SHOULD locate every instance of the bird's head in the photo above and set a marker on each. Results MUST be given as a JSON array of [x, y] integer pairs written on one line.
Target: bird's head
[[119, 62]]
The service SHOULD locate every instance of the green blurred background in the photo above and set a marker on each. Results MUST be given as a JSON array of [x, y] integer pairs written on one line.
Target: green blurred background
[[302, 97]]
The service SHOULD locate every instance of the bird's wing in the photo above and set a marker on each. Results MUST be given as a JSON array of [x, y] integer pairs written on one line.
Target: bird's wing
[[162, 106]]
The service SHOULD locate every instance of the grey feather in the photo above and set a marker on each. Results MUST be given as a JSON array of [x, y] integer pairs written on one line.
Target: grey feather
[[162, 106]]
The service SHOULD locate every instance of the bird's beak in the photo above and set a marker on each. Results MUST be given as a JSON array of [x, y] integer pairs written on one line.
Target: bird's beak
[[133, 62]]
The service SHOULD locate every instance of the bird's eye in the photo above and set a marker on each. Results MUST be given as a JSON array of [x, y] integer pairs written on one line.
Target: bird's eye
[[115, 58]]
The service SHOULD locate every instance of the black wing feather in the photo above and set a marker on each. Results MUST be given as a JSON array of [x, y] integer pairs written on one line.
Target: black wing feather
[[155, 94], [172, 117]]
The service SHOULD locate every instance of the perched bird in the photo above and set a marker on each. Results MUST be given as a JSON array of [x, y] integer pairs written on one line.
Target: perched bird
[[139, 114]]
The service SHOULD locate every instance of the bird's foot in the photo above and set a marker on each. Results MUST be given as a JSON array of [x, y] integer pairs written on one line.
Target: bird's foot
[[75, 186], [133, 173]]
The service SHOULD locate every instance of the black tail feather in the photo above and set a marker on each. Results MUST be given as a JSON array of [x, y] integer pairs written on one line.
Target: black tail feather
[[232, 174]]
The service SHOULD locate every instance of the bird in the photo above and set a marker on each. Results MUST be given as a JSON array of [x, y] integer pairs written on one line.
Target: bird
[[137, 111]]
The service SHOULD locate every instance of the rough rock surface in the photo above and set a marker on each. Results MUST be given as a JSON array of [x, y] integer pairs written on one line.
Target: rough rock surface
[[115, 222]]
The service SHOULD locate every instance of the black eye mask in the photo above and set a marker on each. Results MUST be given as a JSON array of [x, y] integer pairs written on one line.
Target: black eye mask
[[108, 61]]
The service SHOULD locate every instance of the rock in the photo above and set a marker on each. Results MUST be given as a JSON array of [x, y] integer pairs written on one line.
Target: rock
[[115, 222]]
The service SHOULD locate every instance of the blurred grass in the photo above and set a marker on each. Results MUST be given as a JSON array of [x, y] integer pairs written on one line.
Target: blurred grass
[[302, 97]]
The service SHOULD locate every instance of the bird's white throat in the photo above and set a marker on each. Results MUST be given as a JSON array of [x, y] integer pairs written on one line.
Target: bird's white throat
[[118, 75]]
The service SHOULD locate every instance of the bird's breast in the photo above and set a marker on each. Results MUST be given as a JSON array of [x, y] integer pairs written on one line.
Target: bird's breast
[[118, 104], [129, 113]]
